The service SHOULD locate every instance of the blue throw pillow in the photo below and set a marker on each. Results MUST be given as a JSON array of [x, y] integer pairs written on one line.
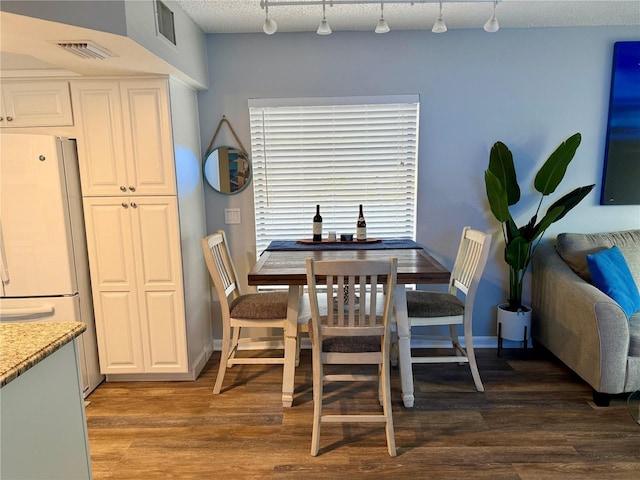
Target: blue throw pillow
[[610, 273]]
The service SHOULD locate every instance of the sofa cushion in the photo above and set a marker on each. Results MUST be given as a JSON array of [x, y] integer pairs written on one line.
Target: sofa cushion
[[610, 274], [634, 335], [574, 247]]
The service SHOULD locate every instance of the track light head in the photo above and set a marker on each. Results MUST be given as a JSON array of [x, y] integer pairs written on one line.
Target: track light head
[[439, 26], [492, 24], [270, 26], [382, 26], [324, 28]]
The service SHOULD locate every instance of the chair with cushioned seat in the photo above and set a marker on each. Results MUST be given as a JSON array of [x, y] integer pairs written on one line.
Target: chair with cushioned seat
[[349, 326], [434, 308], [263, 310]]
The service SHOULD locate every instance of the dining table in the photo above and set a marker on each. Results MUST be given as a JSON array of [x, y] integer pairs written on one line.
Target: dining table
[[283, 263]]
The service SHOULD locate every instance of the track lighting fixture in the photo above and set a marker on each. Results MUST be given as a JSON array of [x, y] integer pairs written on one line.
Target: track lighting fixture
[[492, 24], [439, 25], [382, 26], [324, 28], [270, 27]]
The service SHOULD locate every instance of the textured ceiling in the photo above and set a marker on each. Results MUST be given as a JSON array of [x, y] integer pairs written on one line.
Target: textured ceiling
[[245, 16]]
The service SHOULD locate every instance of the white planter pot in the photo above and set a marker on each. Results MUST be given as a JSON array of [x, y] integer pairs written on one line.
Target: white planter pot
[[512, 325]]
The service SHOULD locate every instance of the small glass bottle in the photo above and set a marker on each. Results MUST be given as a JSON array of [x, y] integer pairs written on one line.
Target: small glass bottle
[[317, 225], [361, 227]]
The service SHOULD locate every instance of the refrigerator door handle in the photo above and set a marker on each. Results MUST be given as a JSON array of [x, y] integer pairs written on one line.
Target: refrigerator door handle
[[23, 312], [4, 270]]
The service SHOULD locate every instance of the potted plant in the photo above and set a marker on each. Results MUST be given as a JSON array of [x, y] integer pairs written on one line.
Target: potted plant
[[503, 192]]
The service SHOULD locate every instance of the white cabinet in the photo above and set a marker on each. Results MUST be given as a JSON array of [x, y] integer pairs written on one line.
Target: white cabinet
[[35, 104], [125, 139], [136, 276], [144, 221]]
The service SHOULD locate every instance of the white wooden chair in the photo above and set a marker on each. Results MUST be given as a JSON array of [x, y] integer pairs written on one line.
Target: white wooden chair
[[347, 329], [263, 310], [433, 308]]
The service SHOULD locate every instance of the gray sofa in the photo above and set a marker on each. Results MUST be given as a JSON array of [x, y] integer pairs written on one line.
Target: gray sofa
[[583, 327]]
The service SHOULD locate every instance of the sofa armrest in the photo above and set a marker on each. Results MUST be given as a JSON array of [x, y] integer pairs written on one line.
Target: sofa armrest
[[578, 323]]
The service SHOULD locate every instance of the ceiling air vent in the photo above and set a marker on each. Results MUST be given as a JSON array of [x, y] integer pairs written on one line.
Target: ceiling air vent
[[88, 50]]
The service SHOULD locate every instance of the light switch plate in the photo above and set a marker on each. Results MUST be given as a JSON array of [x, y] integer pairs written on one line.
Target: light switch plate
[[232, 216]]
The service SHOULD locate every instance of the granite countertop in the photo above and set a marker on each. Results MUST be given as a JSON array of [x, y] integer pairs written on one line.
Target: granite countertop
[[24, 344]]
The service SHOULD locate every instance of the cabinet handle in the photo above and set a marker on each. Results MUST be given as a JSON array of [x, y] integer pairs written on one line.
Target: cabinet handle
[[133, 189], [134, 205], [125, 205], [9, 119], [123, 188], [1, 119]]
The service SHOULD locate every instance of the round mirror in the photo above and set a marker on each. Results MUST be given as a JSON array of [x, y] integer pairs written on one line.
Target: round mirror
[[227, 169]]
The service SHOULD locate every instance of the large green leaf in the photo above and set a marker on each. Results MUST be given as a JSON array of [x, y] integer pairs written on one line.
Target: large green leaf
[[497, 197], [552, 172], [570, 200], [501, 165]]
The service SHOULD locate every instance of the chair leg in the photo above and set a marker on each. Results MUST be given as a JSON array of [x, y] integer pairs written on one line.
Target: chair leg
[[468, 338], [380, 386], [455, 341], [224, 354], [387, 410], [298, 342], [317, 404], [234, 346], [394, 351]]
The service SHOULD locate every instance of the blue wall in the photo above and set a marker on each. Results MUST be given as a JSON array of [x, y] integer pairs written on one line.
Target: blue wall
[[528, 88]]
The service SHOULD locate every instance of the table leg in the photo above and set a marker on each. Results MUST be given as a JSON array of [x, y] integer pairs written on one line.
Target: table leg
[[404, 346], [290, 346]]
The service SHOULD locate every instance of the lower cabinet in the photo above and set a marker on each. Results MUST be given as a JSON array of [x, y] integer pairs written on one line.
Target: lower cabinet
[[136, 276], [44, 429]]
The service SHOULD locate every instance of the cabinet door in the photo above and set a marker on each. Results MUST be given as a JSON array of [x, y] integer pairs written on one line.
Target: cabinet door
[[101, 152], [113, 281], [148, 137], [158, 263], [36, 104]]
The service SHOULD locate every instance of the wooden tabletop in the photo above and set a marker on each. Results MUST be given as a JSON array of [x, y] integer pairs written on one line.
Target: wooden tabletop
[[288, 267]]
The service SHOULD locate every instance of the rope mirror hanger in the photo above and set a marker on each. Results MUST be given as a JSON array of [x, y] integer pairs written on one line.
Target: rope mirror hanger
[[227, 169]]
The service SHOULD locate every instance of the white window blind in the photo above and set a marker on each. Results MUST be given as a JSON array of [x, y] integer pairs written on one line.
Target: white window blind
[[338, 153]]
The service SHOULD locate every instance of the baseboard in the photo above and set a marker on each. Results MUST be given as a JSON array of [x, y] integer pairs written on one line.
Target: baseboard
[[151, 377], [193, 373], [202, 359]]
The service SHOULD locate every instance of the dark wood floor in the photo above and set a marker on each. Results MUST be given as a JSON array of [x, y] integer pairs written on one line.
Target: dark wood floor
[[534, 421]]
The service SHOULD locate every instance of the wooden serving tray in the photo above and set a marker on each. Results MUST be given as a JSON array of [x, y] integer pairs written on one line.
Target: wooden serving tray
[[307, 241]]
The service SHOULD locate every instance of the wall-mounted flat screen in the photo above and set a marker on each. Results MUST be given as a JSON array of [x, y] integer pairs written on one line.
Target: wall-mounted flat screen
[[621, 176]]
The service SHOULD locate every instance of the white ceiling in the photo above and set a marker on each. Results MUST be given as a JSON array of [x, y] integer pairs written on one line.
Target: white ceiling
[[26, 47], [245, 16]]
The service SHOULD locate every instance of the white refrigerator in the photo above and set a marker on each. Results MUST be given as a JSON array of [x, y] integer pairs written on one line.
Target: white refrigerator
[[43, 253]]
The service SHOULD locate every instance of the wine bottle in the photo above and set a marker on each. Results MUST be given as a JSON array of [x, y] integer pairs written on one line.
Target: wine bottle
[[317, 225], [361, 227]]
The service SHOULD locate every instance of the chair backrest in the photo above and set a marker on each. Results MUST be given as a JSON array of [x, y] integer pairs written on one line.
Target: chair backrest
[[471, 259], [348, 310], [221, 269]]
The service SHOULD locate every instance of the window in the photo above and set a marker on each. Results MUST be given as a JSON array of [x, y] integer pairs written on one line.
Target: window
[[338, 153]]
